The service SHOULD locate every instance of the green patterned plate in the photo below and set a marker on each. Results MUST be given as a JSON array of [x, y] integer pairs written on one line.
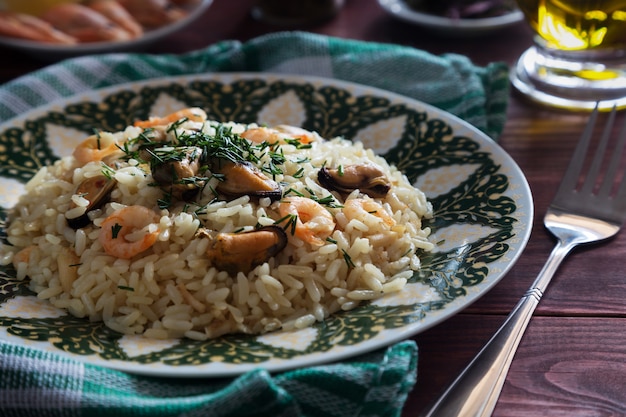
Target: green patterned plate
[[483, 215]]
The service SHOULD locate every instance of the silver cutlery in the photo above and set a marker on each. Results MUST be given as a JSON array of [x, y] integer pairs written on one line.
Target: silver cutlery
[[580, 213]]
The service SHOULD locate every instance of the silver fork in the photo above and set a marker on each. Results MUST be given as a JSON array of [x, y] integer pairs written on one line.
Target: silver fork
[[586, 213]]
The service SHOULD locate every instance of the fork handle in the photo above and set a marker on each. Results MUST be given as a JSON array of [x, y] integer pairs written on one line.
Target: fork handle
[[476, 390]]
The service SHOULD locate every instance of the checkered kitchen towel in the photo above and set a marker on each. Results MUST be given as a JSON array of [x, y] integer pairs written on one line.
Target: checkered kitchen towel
[[34, 383], [451, 82], [42, 384]]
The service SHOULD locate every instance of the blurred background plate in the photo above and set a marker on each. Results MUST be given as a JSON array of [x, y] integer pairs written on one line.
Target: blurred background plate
[[54, 52], [443, 25]]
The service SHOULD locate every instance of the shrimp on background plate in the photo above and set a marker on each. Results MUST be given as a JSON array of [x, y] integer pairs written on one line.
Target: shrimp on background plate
[[32, 28]]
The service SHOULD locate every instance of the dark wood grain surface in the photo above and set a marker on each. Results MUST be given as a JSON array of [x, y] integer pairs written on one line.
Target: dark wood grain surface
[[572, 360]]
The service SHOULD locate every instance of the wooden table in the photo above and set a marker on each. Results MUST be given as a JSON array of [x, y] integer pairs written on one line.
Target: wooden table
[[572, 360]]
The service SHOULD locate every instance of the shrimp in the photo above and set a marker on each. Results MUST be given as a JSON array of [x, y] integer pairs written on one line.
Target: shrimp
[[23, 255], [114, 11], [95, 148], [154, 13], [312, 222], [25, 26], [115, 235], [362, 209], [278, 134], [195, 114], [84, 24]]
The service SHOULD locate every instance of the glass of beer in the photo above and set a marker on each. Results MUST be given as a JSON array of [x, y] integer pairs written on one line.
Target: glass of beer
[[579, 54]]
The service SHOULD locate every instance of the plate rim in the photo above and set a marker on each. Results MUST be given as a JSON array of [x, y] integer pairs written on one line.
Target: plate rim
[[346, 352], [400, 10]]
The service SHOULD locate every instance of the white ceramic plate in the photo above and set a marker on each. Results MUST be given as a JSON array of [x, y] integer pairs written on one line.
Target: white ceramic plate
[[52, 52], [401, 10], [483, 215]]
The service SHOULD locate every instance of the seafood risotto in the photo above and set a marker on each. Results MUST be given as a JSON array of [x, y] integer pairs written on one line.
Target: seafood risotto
[[185, 227]]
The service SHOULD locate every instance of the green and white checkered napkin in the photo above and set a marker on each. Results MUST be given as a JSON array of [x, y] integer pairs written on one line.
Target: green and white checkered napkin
[[44, 384]]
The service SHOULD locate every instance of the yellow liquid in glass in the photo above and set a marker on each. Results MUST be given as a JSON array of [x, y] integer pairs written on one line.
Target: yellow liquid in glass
[[578, 24]]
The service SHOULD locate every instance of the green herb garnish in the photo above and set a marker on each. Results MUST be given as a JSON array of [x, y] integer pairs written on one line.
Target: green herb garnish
[[291, 222], [348, 259], [115, 230]]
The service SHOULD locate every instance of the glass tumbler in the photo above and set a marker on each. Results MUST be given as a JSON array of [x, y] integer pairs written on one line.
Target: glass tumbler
[[579, 54]]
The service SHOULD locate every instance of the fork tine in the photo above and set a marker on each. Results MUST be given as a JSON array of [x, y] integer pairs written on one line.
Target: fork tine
[[611, 173], [592, 175], [570, 179]]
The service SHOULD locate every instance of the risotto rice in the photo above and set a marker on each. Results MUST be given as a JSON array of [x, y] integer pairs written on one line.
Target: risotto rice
[[185, 227]]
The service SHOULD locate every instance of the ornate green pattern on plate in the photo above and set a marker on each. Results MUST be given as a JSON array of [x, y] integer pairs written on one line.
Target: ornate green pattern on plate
[[425, 144]]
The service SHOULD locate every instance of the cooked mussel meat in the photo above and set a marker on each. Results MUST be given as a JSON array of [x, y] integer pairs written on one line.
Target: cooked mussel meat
[[96, 190], [235, 252], [368, 178], [243, 178], [177, 170]]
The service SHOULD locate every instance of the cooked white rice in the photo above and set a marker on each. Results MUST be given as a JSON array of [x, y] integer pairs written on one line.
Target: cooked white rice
[[173, 289]]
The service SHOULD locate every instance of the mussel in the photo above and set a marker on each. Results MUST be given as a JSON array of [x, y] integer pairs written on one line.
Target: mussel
[[177, 170], [243, 178], [368, 178], [234, 252], [97, 191]]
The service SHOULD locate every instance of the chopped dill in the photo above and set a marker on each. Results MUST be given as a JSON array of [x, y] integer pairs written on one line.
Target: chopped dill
[[107, 171], [297, 143], [293, 191], [115, 230], [329, 201], [213, 191], [348, 259], [299, 173], [290, 221], [272, 167], [194, 180], [301, 160], [175, 125], [125, 288], [98, 137], [166, 201]]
